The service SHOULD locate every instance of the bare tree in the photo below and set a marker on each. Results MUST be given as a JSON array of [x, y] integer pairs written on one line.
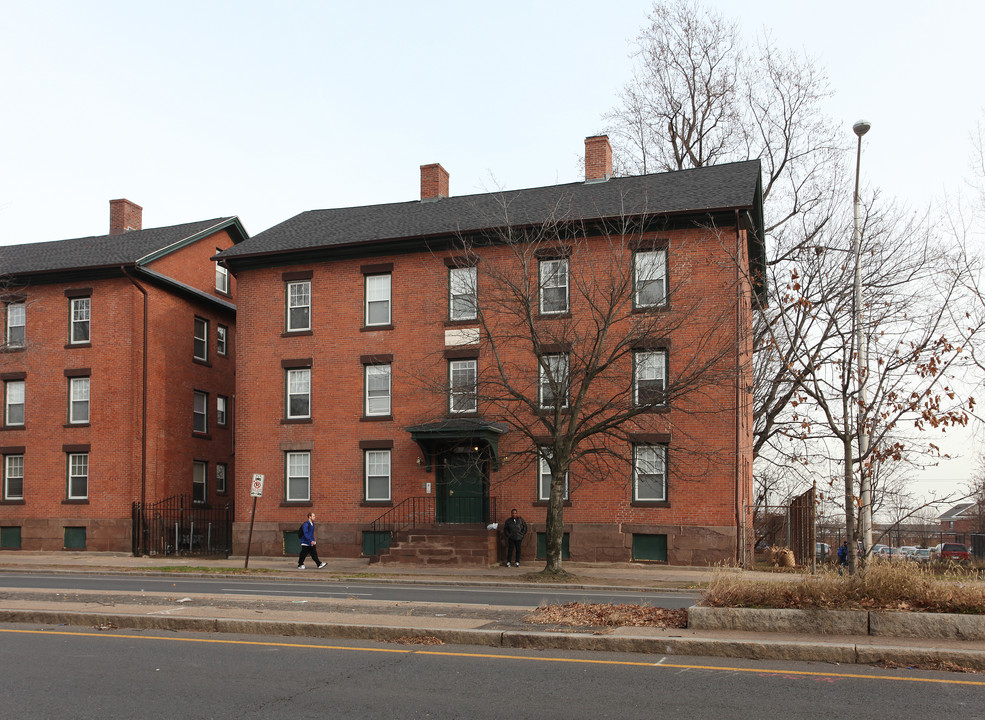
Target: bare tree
[[576, 381]]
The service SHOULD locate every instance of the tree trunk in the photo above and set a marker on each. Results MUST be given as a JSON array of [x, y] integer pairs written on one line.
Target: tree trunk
[[555, 524]]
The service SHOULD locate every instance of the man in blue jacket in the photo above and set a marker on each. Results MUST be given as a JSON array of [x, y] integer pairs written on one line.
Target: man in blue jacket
[[308, 543]]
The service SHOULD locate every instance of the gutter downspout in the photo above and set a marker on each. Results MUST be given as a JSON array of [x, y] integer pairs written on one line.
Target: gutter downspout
[[739, 515], [143, 398]]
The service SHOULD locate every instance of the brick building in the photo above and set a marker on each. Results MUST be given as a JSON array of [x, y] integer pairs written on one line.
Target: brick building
[[417, 366], [118, 379]]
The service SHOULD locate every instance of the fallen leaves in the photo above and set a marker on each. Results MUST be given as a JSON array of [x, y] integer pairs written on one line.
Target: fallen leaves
[[607, 615]]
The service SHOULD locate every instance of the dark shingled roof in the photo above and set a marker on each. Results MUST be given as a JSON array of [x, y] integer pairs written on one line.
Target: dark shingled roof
[[718, 187], [103, 250], [956, 511]]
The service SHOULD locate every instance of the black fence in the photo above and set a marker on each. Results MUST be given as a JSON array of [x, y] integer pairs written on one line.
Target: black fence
[[177, 526]]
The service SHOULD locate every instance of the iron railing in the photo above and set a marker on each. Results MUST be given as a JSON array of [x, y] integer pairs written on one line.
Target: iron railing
[[177, 526], [416, 512]]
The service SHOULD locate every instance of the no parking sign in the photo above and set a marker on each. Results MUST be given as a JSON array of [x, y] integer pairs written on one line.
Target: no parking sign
[[256, 488]]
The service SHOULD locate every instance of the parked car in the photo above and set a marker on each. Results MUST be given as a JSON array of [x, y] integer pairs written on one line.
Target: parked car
[[880, 550], [822, 552], [920, 555], [953, 551], [906, 551]]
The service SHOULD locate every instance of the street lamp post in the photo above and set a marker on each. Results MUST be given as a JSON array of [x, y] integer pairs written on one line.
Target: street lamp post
[[860, 128]]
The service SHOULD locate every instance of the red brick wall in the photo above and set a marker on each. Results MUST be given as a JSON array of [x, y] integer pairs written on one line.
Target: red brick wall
[[114, 357], [706, 461]]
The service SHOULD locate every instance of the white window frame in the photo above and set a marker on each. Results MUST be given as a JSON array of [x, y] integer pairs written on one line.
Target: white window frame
[[297, 476], [558, 365], [14, 394], [221, 277], [554, 275], [544, 477], [200, 482], [379, 294], [377, 470], [378, 400], [650, 367], [652, 458], [463, 388], [649, 268], [221, 410], [80, 316], [200, 411], [78, 470], [221, 339], [201, 333], [297, 384], [78, 400], [16, 324], [298, 294], [220, 478], [462, 294], [13, 468]]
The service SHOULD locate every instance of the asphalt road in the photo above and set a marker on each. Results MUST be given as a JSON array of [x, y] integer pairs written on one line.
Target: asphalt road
[[476, 594], [83, 673]]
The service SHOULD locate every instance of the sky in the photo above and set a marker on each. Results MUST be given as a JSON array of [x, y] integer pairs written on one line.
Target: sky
[[199, 109]]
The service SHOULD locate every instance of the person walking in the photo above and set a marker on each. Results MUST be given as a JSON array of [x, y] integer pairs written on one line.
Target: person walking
[[842, 557], [514, 528], [308, 543]]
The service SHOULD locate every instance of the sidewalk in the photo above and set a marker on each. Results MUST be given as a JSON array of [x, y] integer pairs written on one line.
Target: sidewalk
[[418, 622]]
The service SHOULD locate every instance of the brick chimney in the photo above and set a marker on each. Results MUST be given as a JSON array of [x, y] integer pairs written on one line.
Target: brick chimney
[[598, 158], [124, 216], [434, 182]]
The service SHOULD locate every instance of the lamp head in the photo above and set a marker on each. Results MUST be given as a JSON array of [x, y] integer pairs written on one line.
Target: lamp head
[[861, 127]]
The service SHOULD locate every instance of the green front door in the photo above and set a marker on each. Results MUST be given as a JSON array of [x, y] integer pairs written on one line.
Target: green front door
[[462, 490]]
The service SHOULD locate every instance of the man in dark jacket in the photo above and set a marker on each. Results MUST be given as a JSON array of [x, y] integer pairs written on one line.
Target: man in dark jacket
[[308, 543], [514, 528]]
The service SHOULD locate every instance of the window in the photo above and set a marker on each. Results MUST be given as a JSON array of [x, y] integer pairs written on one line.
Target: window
[[298, 481], [377, 300], [78, 400], [199, 470], [298, 306], [16, 323], [80, 309], [650, 378], [650, 278], [221, 335], [201, 412], [201, 339], [650, 473], [78, 476], [221, 276], [299, 393], [462, 298], [13, 477], [220, 478], [544, 477], [377, 389], [221, 402], [462, 386], [554, 286], [377, 475], [13, 402], [554, 380]]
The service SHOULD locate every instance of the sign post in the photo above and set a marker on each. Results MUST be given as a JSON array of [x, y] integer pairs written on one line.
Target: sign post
[[256, 491]]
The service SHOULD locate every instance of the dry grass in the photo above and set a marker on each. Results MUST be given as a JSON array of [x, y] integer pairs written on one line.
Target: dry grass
[[882, 585]]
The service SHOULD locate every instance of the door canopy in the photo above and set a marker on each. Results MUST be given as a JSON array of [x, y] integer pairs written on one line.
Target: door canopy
[[434, 437]]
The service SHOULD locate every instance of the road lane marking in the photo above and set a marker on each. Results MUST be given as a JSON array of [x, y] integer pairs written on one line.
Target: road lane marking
[[491, 656]]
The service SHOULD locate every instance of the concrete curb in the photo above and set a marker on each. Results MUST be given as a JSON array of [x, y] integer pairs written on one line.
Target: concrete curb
[[839, 622], [831, 652]]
